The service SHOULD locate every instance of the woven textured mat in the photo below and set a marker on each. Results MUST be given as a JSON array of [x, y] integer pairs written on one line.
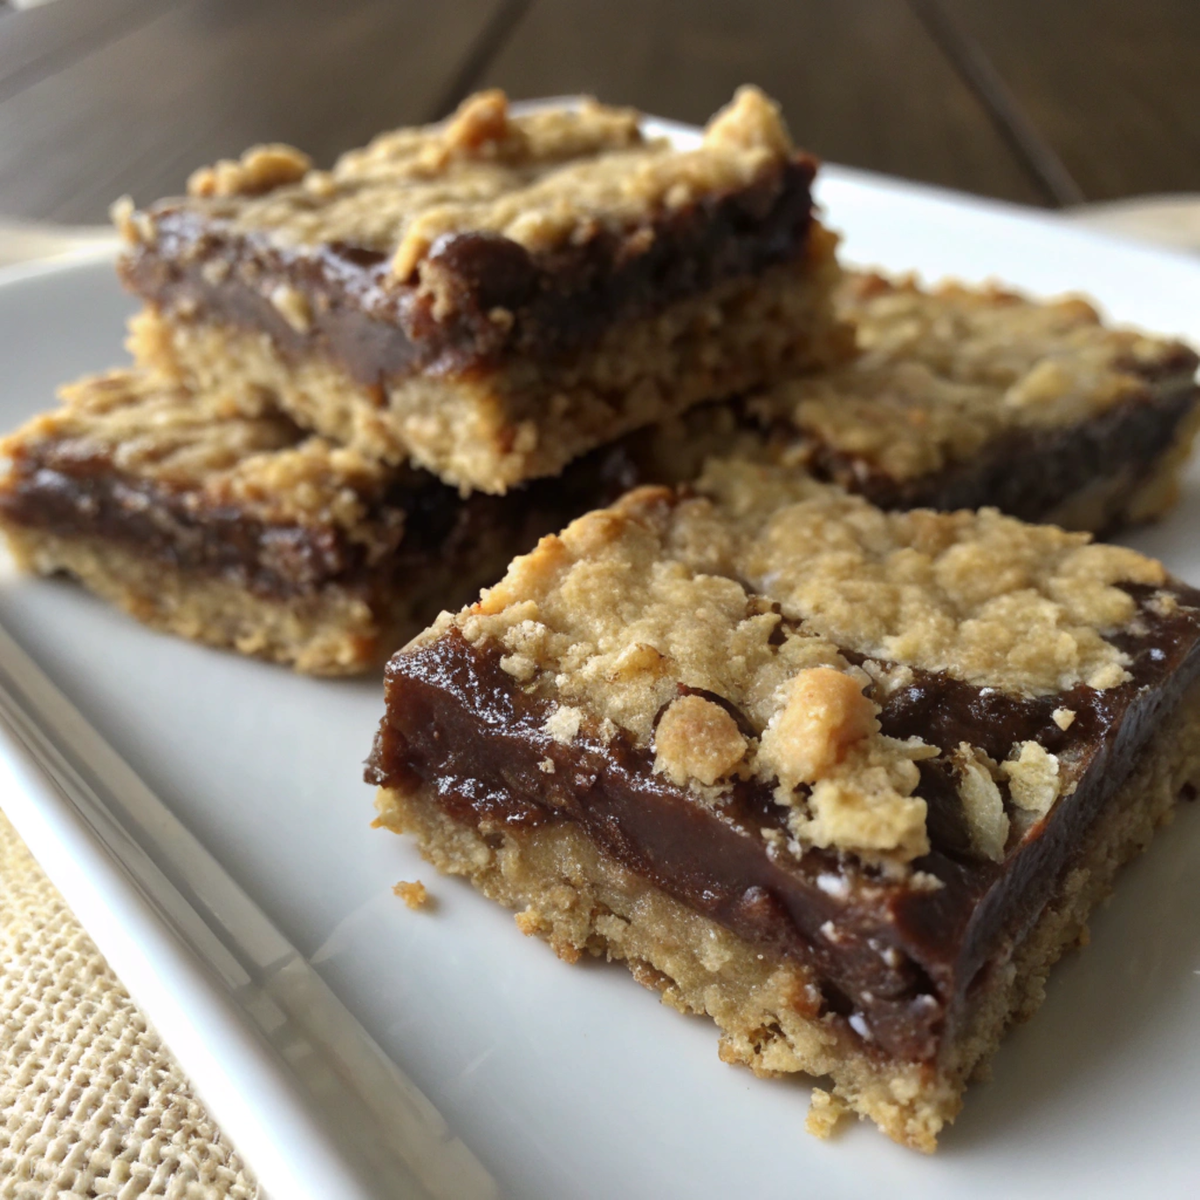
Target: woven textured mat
[[91, 1101]]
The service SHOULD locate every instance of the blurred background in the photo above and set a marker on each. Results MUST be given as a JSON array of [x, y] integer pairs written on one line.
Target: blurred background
[[1044, 102]]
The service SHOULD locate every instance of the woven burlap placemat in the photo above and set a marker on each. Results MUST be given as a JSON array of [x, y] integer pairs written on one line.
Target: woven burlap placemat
[[91, 1101]]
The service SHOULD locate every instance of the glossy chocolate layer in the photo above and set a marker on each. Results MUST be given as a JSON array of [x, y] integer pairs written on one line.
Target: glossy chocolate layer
[[376, 327], [1029, 474], [903, 957], [178, 529], [1033, 475], [412, 524]]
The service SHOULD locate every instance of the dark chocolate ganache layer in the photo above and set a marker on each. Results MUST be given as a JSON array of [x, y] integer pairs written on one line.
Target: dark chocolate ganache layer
[[377, 326], [407, 527], [413, 522], [897, 959], [1031, 473]]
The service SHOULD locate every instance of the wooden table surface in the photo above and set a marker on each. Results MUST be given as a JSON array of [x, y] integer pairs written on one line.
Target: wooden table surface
[[1048, 102]]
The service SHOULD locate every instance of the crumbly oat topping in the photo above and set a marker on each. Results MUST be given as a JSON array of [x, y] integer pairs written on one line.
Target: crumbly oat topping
[[865, 804], [763, 590], [983, 805], [540, 179], [563, 723], [132, 225], [225, 449], [944, 371], [986, 598], [259, 170], [1033, 778], [697, 739], [822, 717], [293, 306], [1064, 718]]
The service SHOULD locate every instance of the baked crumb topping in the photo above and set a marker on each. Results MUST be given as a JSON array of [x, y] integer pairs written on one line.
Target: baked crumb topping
[[865, 804], [414, 894], [825, 1113], [985, 598], [824, 715], [541, 179], [225, 449], [749, 627], [983, 805], [1033, 778], [259, 170], [697, 739], [941, 372]]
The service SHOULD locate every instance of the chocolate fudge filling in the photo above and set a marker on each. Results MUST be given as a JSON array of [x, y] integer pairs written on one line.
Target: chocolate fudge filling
[[279, 561], [896, 959], [1027, 473], [376, 326], [417, 522]]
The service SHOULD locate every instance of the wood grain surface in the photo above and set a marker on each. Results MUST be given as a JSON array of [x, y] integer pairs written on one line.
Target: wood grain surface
[[1038, 101], [204, 79], [1110, 85], [861, 81]]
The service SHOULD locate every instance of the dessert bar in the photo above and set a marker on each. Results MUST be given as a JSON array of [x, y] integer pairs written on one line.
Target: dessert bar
[[848, 781], [496, 295], [214, 518], [937, 410], [967, 397]]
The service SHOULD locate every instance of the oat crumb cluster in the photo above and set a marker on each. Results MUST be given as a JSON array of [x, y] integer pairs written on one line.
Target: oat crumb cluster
[[749, 617], [792, 604]]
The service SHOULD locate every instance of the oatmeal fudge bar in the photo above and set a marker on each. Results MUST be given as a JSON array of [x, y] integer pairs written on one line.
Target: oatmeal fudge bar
[[209, 517], [494, 296], [966, 397], [848, 781]]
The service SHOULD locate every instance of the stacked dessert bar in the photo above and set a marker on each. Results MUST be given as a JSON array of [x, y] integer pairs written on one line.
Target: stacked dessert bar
[[492, 299], [798, 716], [336, 370]]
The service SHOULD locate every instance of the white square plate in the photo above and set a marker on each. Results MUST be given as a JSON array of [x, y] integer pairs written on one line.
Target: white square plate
[[206, 818]]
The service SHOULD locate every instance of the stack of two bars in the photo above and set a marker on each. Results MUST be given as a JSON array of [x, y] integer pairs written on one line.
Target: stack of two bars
[[345, 380], [339, 372], [842, 772]]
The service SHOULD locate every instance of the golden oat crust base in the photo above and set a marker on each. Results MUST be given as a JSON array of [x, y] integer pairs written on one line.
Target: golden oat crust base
[[583, 902], [333, 632]]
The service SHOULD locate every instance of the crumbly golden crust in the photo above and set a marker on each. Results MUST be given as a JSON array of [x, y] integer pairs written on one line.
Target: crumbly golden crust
[[334, 632], [943, 372], [539, 180], [768, 590]]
